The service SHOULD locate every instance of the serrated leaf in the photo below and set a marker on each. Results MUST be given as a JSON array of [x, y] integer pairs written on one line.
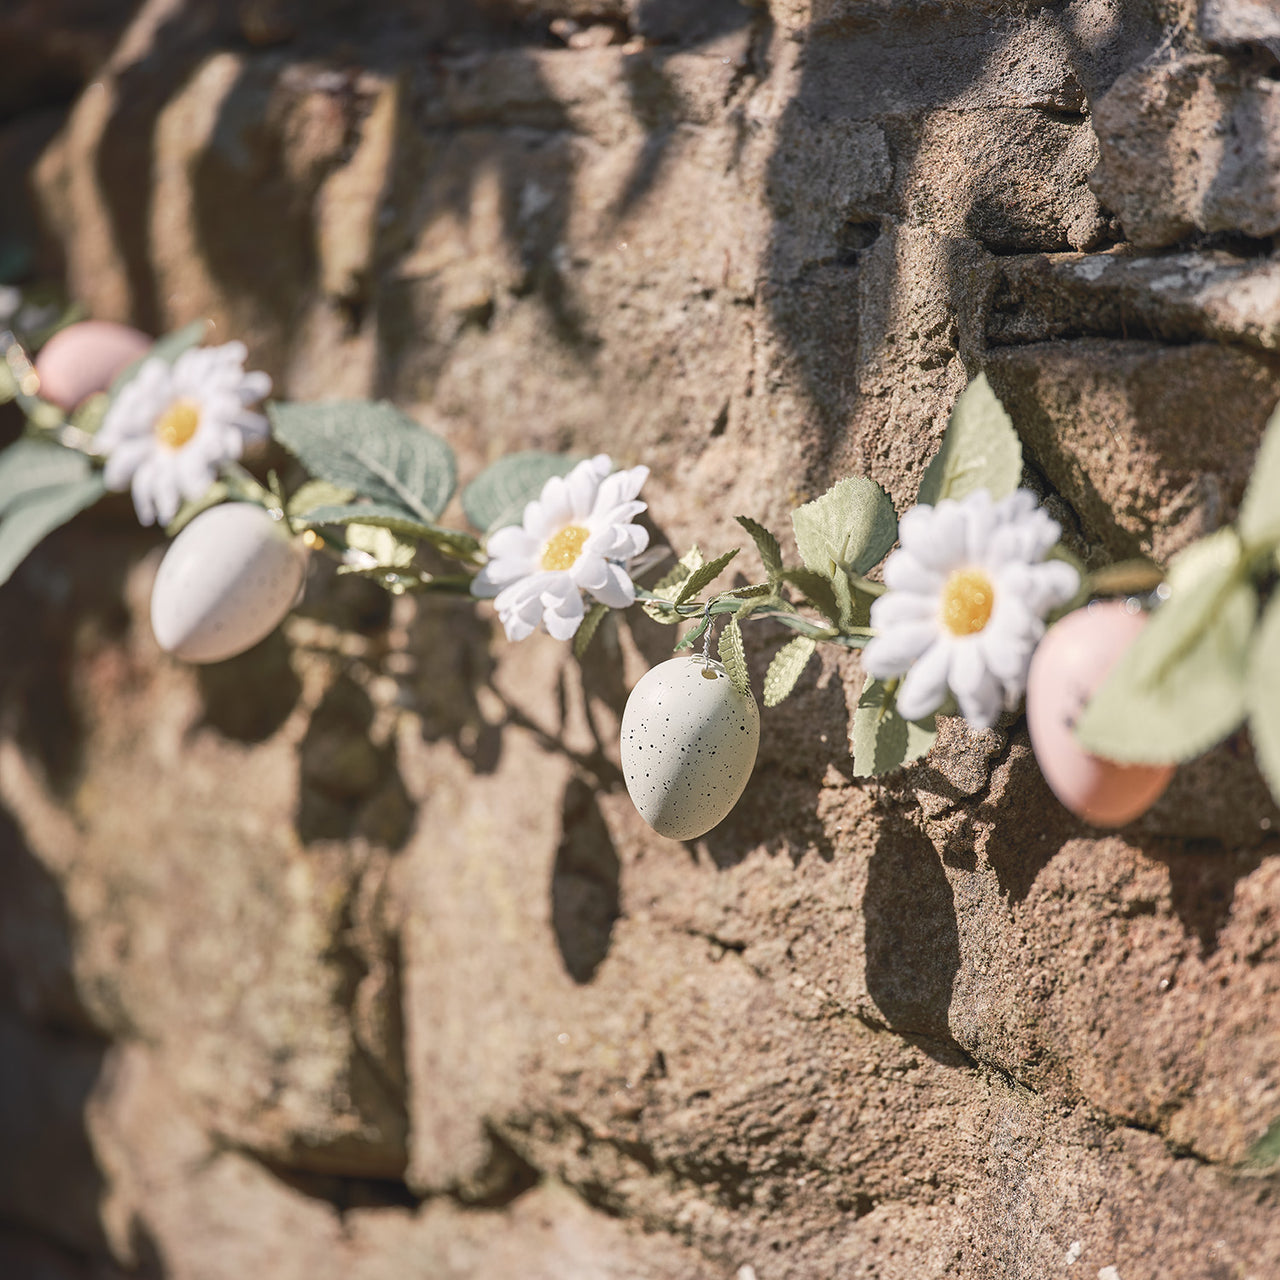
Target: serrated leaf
[[668, 617], [1180, 687], [1259, 521], [785, 669], [1263, 696], [766, 544], [315, 494], [752, 592], [733, 656], [379, 542], [980, 449], [29, 521], [373, 449], [668, 586], [499, 494], [452, 542], [28, 466], [817, 590], [168, 349], [215, 494], [587, 629], [881, 740], [850, 528], [704, 576], [695, 635]]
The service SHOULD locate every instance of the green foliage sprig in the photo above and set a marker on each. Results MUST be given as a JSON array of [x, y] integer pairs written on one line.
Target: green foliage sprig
[[376, 484]]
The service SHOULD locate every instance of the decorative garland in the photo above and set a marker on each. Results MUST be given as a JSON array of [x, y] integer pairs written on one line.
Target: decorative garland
[[1118, 691]]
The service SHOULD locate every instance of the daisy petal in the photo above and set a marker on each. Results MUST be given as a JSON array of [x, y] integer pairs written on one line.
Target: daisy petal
[[924, 687], [893, 652], [904, 572], [976, 689]]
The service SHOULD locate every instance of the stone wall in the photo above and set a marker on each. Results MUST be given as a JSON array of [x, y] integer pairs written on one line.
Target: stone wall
[[350, 959]]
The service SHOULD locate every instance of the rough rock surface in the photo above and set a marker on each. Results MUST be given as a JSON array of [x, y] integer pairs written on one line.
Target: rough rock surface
[[351, 958]]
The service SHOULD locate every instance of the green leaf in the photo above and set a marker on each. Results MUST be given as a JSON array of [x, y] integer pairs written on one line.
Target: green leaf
[[733, 656], [980, 449], [379, 542], [695, 635], [704, 576], [1180, 687], [315, 494], [499, 494], [817, 590], [217, 493], [1263, 695], [168, 349], [381, 453], [587, 629], [1259, 521], [766, 544], [785, 669], [29, 521], [850, 528], [452, 542], [847, 604], [28, 466], [668, 587], [754, 591], [881, 739]]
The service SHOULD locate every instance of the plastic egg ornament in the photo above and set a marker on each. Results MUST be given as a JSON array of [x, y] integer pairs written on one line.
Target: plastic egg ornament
[[1069, 665], [226, 582], [689, 741], [86, 357]]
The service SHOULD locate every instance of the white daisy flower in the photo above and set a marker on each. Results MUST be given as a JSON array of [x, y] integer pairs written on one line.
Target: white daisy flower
[[577, 536], [172, 426], [969, 588]]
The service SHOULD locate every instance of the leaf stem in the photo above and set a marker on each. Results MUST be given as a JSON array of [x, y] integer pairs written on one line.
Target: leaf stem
[[859, 583], [848, 637]]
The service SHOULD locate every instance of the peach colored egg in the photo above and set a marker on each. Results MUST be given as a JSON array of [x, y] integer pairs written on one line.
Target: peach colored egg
[[86, 357], [1070, 663]]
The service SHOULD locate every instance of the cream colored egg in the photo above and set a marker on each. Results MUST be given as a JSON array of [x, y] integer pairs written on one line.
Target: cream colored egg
[[689, 741], [86, 357], [1069, 665], [226, 582]]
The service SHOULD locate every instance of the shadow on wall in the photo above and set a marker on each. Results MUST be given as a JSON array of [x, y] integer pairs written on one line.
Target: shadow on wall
[[584, 884], [912, 957], [920, 142], [50, 1059], [855, 220]]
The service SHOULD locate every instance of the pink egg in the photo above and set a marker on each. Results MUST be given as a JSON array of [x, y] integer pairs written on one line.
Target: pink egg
[[1070, 663], [86, 357]]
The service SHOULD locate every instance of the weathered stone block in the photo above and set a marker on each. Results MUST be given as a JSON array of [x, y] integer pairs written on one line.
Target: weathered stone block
[[1190, 145]]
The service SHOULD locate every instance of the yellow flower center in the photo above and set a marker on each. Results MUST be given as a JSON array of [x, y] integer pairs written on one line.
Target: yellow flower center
[[967, 600], [563, 550], [178, 423]]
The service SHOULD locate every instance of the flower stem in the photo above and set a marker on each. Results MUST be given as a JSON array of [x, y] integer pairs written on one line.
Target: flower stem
[[747, 611]]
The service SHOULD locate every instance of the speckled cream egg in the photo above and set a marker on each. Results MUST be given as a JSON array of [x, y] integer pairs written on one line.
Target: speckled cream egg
[[689, 742], [86, 357], [1069, 665], [226, 582]]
